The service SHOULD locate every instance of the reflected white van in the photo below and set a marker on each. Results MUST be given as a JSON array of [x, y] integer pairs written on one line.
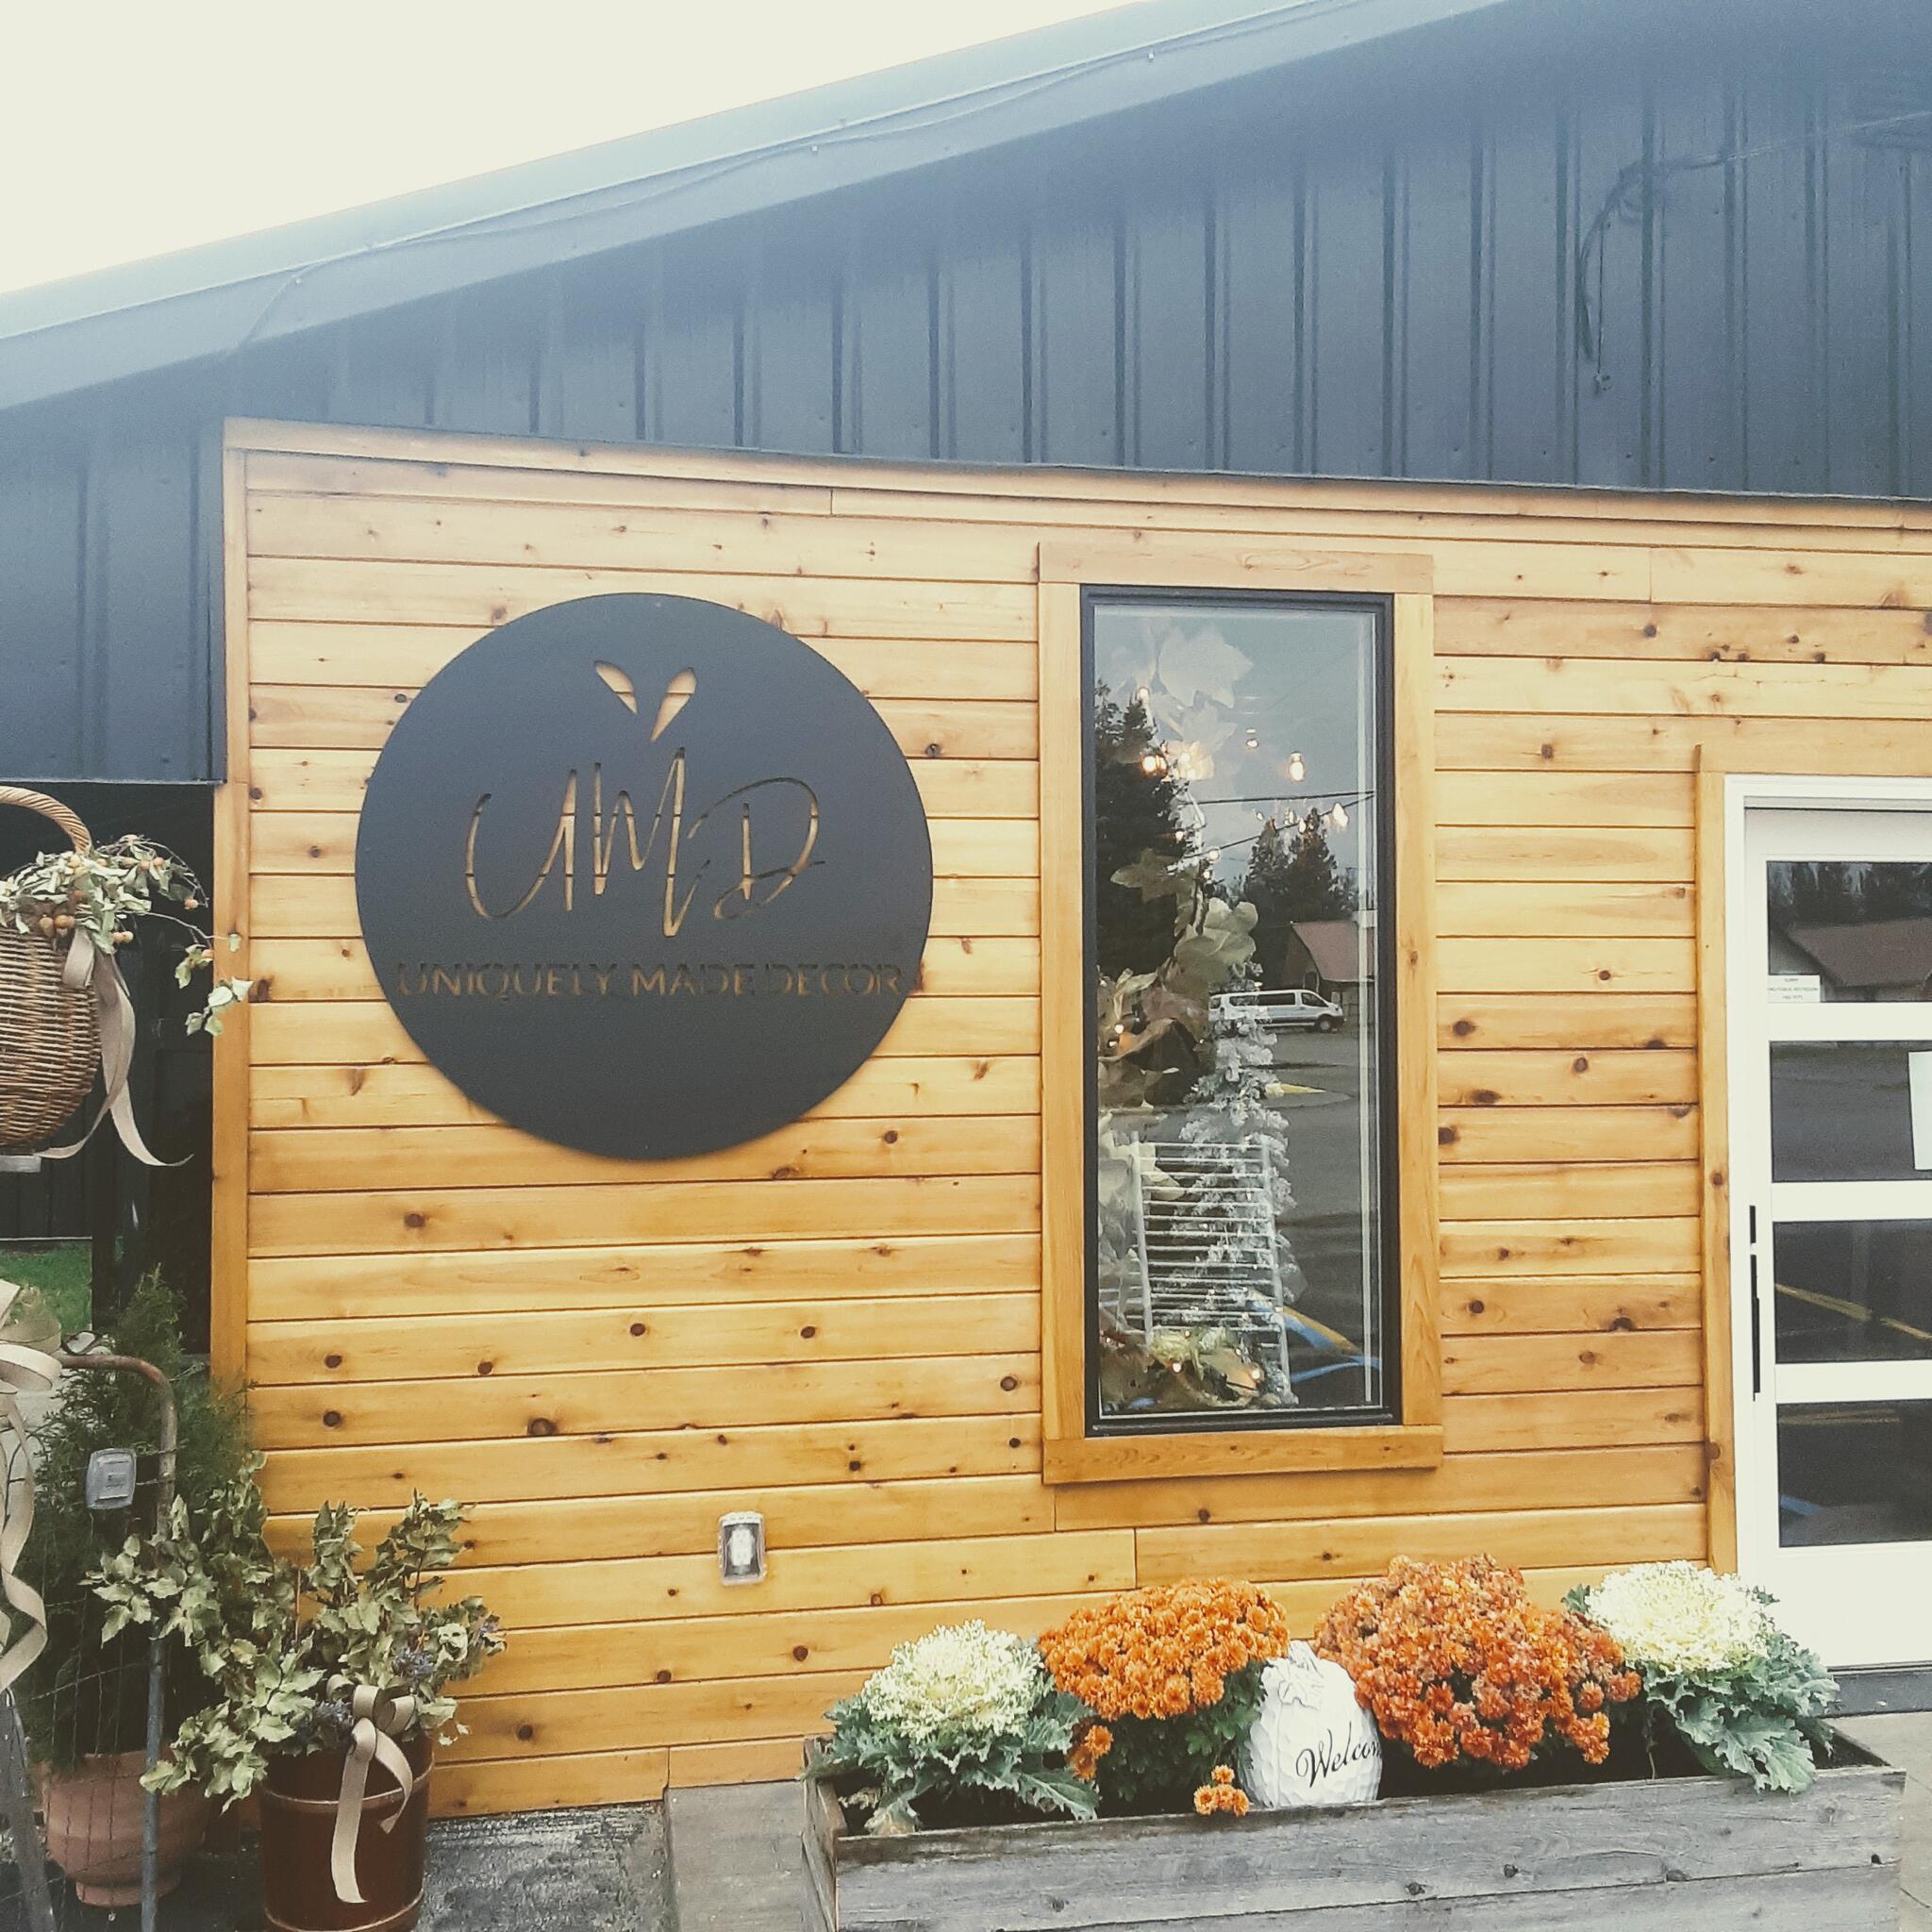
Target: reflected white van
[[1285, 1007]]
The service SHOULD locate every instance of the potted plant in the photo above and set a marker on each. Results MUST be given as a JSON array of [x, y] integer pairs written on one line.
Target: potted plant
[[329, 1689], [84, 1702], [1720, 1680], [1174, 1675], [963, 1727], [64, 917], [1469, 1679]]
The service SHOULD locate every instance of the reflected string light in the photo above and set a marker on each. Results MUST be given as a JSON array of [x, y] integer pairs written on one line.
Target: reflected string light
[[1297, 771]]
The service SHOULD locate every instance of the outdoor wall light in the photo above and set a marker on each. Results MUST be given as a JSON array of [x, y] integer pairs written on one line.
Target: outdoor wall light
[[741, 1547], [111, 1479]]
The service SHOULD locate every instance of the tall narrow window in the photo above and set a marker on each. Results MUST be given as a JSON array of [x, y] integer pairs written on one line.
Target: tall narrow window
[[1242, 1214]]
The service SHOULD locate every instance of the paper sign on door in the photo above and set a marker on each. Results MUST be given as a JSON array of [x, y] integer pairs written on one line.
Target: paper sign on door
[[1920, 1066]]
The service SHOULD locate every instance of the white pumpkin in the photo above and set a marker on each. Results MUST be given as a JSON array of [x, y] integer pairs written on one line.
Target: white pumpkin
[[1312, 1743]]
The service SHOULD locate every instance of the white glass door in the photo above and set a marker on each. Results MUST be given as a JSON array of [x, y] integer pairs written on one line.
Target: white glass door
[[1830, 989]]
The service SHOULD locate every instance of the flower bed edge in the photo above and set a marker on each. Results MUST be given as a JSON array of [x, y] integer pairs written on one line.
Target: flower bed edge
[[1630, 1853]]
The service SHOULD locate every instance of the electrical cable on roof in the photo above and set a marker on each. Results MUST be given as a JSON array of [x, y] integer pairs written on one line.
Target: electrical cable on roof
[[1623, 202]]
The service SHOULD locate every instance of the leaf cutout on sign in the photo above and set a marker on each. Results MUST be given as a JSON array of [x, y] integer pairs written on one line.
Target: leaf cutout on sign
[[619, 682], [677, 694]]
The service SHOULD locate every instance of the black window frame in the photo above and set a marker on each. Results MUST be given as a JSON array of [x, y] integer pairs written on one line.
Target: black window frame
[[1386, 1230]]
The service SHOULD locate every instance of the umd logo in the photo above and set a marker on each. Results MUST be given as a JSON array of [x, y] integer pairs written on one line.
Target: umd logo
[[755, 886]]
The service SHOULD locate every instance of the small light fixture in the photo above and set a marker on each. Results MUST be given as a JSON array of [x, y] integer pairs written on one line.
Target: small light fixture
[[1214, 855], [1296, 770], [741, 1547], [1337, 818], [111, 1479], [1253, 741], [1142, 696]]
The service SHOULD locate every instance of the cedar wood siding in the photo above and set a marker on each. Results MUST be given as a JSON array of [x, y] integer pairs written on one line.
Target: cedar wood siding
[[420, 1295]]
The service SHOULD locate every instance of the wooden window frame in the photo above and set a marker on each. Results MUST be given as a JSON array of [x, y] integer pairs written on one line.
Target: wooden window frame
[[1197, 564]]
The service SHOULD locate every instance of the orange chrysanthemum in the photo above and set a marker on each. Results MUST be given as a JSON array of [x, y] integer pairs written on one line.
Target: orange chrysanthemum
[[1164, 1651], [1455, 1660], [1221, 1793], [1090, 1747]]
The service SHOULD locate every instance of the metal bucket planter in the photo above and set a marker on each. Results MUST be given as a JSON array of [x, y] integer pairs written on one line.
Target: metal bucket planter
[[50, 1045], [298, 1821], [1639, 1856], [93, 1817]]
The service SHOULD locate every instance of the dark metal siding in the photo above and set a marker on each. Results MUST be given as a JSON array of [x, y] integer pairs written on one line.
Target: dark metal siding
[[1370, 266]]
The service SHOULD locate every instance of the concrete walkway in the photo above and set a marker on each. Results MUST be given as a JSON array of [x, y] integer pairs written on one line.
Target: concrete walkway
[[602, 1871], [1906, 1740], [736, 1858]]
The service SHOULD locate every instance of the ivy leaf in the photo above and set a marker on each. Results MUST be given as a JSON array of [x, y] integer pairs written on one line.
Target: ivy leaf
[[1203, 961], [1155, 877]]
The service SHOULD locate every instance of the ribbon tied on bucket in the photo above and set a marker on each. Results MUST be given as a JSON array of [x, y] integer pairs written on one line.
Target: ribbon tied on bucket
[[90, 966], [23, 1372], [380, 1720]]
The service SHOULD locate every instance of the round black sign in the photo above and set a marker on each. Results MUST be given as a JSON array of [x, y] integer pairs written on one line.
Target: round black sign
[[643, 875]]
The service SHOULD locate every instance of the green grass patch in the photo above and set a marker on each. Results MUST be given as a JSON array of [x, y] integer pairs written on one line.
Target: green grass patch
[[64, 1273]]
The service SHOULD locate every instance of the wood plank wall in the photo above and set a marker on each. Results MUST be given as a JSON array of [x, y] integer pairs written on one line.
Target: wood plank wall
[[838, 1324]]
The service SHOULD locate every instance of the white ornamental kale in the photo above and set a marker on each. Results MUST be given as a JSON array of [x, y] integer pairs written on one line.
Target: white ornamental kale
[[1743, 1695], [1680, 1616], [962, 1726], [962, 1676]]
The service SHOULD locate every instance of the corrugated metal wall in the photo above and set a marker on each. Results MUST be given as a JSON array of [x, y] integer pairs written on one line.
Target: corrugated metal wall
[[1372, 266]]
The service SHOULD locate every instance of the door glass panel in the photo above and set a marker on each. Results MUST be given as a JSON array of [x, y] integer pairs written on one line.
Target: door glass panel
[[1854, 1473], [1849, 931], [1852, 1291], [1842, 1111]]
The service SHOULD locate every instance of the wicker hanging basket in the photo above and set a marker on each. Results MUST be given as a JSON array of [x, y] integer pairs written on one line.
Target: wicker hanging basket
[[50, 1046]]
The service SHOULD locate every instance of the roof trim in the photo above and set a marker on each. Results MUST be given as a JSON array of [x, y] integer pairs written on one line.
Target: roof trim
[[213, 300]]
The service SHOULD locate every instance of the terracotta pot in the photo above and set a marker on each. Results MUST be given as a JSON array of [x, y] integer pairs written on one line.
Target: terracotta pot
[[93, 1817], [298, 1821]]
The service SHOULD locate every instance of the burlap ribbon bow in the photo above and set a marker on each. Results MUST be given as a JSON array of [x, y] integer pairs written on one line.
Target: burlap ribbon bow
[[380, 1719], [89, 966], [23, 1372]]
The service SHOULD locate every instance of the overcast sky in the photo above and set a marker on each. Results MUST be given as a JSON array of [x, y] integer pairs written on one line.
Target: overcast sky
[[132, 128]]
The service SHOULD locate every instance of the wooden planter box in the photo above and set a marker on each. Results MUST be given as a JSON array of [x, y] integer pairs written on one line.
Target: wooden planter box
[[1698, 1852]]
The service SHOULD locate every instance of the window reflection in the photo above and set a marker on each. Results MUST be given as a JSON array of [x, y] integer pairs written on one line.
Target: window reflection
[[1852, 1291], [1843, 1110], [1237, 1137], [1850, 929], [1855, 1472]]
